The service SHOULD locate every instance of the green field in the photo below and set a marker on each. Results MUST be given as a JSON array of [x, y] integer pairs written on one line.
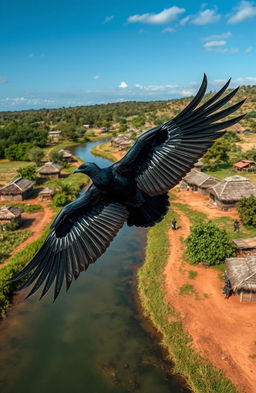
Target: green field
[[8, 169]]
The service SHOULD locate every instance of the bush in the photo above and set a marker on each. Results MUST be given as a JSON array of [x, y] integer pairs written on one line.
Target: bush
[[209, 244], [60, 199], [28, 172], [247, 210]]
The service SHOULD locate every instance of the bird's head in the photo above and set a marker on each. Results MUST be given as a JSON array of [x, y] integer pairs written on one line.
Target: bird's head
[[88, 168]]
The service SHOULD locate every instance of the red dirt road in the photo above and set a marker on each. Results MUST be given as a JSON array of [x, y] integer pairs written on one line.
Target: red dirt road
[[223, 330]]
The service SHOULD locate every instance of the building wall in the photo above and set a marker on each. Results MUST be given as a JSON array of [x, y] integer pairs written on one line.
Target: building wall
[[246, 296], [18, 197]]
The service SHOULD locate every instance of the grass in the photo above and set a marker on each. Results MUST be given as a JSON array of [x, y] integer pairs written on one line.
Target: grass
[[192, 274], [8, 169], [26, 207], [201, 376], [104, 151], [187, 289], [10, 240], [16, 263], [221, 173]]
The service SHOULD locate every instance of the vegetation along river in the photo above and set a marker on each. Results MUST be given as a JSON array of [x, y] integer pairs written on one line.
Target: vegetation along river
[[90, 340]]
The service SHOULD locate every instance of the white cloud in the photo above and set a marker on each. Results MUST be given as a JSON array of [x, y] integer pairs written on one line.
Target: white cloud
[[249, 49], [214, 44], [108, 19], [123, 85], [222, 36], [247, 80], [163, 17], [205, 17], [185, 20], [25, 101], [96, 77], [245, 10], [168, 30]]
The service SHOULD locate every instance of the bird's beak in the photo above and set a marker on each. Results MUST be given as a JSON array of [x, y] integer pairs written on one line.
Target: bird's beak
[[77, 170]]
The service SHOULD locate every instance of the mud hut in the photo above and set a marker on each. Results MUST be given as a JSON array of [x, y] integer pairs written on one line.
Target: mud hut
[[242, 274], [54, 135], [200, 181], [245, 166], [17, 190], [49, 169], [199, 165], [65, 155], [229, 191], [9, 214], [46, 194]]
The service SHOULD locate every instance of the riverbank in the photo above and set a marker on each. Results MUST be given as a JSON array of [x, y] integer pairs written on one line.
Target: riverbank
[[201, 375]]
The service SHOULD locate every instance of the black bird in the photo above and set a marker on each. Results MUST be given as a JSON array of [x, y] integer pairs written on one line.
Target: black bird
[[134, 190]]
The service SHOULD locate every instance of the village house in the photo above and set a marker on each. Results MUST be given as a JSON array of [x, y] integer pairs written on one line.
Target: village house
[[199, 165], [17, 190], [245, 166], [54, 135], [242, 275], [46, 194], [49, 169], [200, 181], [121, 141], [65, 155], [9, 214], [231, 190], [245, 245]]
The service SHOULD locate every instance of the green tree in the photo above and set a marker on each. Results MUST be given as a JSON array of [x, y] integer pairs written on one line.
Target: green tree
[[218, 153], [36, 154], [60, 199], [18, 151], [29, 172], [247, 210], [209, 244], [56, 156]]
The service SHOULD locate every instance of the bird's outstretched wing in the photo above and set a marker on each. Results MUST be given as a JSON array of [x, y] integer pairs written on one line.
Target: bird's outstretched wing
[[80, 234], [162, 156]]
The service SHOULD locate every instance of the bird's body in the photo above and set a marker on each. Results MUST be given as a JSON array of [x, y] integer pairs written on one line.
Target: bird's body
[[133, 190]]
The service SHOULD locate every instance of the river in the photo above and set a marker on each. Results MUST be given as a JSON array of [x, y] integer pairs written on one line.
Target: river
[[90, 340]]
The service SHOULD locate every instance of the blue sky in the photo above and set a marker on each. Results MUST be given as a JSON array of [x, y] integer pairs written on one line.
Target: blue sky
[[65, 53]]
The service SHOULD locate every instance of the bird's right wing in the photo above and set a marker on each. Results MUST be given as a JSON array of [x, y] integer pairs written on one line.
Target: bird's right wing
[[80, 235]]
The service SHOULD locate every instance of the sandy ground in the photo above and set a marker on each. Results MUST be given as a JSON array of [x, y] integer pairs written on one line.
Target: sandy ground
[[35, 222], [223, 330]]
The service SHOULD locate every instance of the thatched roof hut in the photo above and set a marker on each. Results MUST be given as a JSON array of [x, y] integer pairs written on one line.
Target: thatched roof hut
[[121, 141], [8, 213], [199, 165], [245, 166], [245, 244], [46, 194], [229, 191], [16, 190], [200, 181], [242, 274], [49, 169], [65, 155]]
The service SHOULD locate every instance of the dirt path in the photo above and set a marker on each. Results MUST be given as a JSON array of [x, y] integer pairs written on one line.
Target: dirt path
[[36, 222], [223, 330]]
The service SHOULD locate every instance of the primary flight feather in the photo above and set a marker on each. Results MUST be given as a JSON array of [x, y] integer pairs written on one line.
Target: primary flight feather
[[134, 190]]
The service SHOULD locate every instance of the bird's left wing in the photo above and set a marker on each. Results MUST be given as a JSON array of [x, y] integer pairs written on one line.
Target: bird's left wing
[[162, 156], [80, 235]]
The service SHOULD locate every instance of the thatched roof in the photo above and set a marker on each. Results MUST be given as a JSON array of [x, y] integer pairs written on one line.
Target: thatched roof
[[17, 186], [199, 164], [233, 188], [245, 244], [242, 273], [10, 212], [47, 191], [200, 179], [65, 153], [49, 168]]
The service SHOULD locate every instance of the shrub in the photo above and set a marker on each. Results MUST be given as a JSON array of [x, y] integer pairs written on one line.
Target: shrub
[[247, 210], [60, 199], [209, 244], [28, 172]]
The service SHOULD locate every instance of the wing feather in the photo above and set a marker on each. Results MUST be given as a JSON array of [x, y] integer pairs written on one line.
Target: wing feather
[[162, 156], [83, 237]]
